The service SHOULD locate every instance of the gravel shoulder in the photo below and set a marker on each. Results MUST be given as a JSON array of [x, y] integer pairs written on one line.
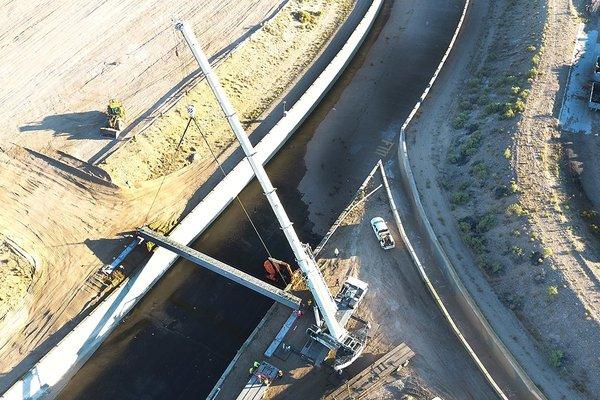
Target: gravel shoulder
[[484, 164]]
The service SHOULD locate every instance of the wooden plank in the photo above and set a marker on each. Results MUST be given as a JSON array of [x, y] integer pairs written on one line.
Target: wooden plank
[[373, 376]]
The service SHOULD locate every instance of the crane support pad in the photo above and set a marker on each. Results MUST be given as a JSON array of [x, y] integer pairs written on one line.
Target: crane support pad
[[221, 268]]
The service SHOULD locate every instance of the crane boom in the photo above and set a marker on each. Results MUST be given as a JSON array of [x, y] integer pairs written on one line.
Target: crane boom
[[314, 279], [335, 312]]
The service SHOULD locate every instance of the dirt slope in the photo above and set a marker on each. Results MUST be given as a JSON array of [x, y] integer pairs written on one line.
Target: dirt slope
[[251, 83], [63, 60]]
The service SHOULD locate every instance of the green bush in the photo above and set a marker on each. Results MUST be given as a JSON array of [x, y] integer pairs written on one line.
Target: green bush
[[465, 105], [507, 153], [533, 73], [307, 17], [552, 290], [459, 198], [519, 106], [493, 108], [517, 251], [480, 170], [516, 209], [556, 358], [452, 157], [476, 243], [460, 120], [487, 222], [470, 146], [509, 113], [514, 187]]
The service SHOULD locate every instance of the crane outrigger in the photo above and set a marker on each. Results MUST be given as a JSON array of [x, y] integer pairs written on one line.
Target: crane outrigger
[[335, 313]]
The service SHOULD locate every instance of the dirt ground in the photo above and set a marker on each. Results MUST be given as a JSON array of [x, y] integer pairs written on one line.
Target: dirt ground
[[63, 60], [399, 308], [497, 181], [66, 213]]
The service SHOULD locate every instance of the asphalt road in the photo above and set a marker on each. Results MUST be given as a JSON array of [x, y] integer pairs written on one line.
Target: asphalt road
[[180, 338]]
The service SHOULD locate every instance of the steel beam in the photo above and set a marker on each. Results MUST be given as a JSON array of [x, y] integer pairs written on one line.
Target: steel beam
[[221, 268]]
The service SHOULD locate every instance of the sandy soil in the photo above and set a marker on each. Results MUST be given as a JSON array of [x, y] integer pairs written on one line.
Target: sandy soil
[[68, 214], [249, 80], [63, 60], [495, 182], [15, 280]]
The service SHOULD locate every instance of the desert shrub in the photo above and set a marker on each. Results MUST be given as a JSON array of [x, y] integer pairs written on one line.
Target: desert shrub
[[531, 48], [532, 74], [516, 209], [460, 120], [307, 17], [589, 214], [524, 93], [487, 222], [515, 89], [470, 146], [517, 252], [556, 358], [519, 106], [480, 170], [535, 60], [514, 187], [509, 112], [493, 108], [459, 198], [476, 243]]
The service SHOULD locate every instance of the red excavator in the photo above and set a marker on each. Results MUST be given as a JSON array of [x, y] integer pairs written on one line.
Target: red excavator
[[277, 269]]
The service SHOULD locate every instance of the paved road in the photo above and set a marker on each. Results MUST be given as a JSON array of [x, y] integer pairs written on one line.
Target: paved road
[[180, 338]]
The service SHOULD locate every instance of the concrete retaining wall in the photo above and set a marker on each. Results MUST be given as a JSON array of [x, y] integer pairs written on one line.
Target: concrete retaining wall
[[52, 372], [476, 317]]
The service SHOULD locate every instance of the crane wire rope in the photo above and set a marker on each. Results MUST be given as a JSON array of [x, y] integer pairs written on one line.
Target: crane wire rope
[[165, 176], [237, 197]]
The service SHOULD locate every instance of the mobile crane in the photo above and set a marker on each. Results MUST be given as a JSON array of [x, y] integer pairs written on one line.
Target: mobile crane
[[331, 332]]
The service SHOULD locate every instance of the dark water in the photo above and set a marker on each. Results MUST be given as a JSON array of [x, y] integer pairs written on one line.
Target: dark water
[[179, 339]]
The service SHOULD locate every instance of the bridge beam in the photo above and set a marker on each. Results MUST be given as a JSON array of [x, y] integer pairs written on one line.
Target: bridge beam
[[229, 272]]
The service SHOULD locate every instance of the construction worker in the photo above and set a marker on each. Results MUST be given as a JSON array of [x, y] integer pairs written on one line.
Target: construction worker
[[254, 367]]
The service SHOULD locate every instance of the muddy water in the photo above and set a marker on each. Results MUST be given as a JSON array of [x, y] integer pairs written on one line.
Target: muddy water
[[180, 338]]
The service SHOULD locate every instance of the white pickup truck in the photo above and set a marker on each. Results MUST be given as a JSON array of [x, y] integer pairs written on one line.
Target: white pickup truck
[[382, 233]]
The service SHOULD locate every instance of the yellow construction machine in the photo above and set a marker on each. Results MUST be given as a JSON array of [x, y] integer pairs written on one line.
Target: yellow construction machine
[[116, 119]]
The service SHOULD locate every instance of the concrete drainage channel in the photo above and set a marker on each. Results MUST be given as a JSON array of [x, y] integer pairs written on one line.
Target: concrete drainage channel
[[52, 372], [500, 352]]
